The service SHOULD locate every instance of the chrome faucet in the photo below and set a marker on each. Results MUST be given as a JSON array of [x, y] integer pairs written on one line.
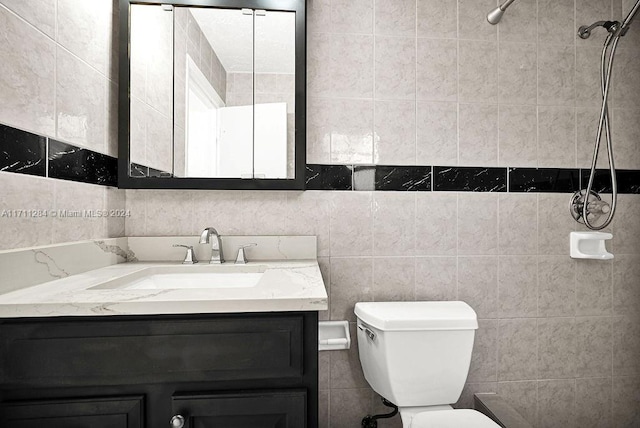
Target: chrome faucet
[[241, 258], [189, 258], [216, 244]]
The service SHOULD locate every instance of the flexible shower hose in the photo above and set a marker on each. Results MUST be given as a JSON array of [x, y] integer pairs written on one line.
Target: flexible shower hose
[[605, 84]]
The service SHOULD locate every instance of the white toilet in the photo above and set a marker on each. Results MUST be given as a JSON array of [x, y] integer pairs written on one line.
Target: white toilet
[[417, 356]]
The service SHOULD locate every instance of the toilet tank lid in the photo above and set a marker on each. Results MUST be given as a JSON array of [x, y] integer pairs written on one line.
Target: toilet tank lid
[[398, 316]]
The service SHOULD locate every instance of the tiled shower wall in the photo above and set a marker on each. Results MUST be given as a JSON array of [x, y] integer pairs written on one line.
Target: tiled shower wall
[[58, 78], [432, 83], [429, 82]]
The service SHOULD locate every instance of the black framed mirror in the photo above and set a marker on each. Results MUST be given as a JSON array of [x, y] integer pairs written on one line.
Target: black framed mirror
[[212, 94]]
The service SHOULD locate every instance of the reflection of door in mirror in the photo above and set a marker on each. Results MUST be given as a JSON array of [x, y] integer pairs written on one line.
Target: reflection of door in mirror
[[209, 141], [203, 104], [255, 122]]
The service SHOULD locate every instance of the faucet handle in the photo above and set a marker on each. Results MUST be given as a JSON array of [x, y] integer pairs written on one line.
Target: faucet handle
[[189, 257], [241, 258]]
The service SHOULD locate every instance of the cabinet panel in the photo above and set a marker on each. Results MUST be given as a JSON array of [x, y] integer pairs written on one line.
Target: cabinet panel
[[227, 357], [80, 413], [134, 352], [269, 409]]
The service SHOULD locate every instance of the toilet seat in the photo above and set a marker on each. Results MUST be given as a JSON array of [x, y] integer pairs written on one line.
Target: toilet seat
[[461, 418]]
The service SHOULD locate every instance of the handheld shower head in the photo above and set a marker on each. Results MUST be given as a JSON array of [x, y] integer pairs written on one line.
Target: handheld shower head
[[496, 14]]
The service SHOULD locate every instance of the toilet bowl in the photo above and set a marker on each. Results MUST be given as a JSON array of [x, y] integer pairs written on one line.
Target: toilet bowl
[[417, 356]]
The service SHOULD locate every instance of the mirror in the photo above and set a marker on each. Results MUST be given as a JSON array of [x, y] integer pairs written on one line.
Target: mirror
[[214, 97]]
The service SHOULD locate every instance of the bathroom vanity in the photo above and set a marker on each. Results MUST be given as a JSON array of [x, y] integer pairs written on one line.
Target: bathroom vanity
[[117, 347], [231, 370]]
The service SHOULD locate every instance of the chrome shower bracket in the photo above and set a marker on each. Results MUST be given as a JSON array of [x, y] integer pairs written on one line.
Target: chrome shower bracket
[[596, 207], [611, 26]]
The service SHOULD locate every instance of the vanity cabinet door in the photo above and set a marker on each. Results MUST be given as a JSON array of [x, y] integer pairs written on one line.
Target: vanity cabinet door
[[268, 409], [73, 413], [225, 348]]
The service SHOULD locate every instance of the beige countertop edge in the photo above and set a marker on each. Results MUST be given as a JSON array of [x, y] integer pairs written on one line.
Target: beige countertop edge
[[71, 296]]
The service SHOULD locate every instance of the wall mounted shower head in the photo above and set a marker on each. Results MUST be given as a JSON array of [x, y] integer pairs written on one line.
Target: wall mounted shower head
[[496, 14]]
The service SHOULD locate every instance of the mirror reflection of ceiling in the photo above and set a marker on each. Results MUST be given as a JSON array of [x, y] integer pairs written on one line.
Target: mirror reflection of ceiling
[[226, 30]]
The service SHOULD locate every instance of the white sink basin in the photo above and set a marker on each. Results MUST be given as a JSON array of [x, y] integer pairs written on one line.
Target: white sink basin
[[187, 277], [194, 280]]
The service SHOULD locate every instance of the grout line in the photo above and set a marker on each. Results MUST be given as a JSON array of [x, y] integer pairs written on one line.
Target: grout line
[[537, 253], [46, 157], [55, 89], [433, 179], [55, 28], [173, 92], [537, 371], [612, 350], [537, 142], [458, 102], [457, 246], [497, 77], [458, 82], [55, 24], [374, 98], [253, 94], [498, 254], [415, 88], [575, 87], [93, 68]]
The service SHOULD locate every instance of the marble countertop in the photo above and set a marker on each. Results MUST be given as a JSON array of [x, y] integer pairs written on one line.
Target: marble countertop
[[291, 285]]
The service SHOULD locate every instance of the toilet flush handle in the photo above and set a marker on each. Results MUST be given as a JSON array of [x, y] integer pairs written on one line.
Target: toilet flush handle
[[371, 335]]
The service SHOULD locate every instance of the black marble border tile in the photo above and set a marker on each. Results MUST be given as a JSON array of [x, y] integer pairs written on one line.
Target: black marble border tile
[[138, 171], [141, 171], [544, 180], [628, 180], [601, 181], [26, 153], [329, 177], [457, 179], [403, 178], [158, 173], [469, 179], [22, 152], [68, 162]]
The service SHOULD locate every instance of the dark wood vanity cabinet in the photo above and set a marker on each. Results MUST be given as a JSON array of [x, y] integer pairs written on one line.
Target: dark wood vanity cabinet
[[267, 409], [121, 412], [229, 370]]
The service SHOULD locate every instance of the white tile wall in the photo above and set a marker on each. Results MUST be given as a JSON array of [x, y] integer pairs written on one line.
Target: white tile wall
[[59, 76], [435, 51], [44, 195], [549, 325], [57, 79]]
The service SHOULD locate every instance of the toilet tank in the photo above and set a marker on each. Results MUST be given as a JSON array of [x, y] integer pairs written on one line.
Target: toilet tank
[[416, 353]]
